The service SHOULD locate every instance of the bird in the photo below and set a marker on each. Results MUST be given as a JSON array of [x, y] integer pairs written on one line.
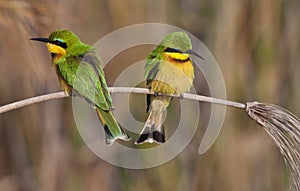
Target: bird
[[79, 71], [168, 70]]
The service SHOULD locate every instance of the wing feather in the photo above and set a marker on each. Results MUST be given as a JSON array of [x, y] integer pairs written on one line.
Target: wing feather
[[85, 74], [151, 69]]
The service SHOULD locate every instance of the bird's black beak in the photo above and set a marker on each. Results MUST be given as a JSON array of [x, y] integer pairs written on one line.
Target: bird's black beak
[[194, 53], [40, 39]]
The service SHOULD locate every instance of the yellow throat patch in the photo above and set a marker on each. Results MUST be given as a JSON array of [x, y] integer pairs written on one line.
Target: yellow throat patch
[[177, 55], [181, 61], [56, 49]]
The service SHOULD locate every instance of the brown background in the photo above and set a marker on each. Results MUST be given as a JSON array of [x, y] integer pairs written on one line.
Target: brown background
[[256, 44]]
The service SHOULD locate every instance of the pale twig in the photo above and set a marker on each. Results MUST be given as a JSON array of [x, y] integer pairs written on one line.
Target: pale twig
[[30, 101], [184, 96], [58, 95]]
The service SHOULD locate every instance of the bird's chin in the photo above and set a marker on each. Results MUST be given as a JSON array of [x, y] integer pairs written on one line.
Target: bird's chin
[[56, 49]]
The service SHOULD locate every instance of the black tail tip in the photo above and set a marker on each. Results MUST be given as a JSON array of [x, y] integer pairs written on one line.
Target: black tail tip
[[110, 138], [155, 136]]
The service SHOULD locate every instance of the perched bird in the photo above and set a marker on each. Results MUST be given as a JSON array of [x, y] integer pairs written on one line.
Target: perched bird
[[79, 71], [169, 70]]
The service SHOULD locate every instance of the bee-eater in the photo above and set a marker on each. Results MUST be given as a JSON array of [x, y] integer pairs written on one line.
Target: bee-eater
[[169, 70], [68, 54]]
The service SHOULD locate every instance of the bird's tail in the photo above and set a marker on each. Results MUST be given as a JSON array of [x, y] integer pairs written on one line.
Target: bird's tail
[[153, 130], [113, 130]]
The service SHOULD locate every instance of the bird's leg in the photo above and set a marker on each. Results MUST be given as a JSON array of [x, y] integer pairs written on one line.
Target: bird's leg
[[180, 96], [68, 93], [156, 94], [71, 93]]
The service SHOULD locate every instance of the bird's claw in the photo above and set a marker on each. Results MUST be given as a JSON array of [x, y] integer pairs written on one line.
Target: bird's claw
[[155, 94], [180, 96]]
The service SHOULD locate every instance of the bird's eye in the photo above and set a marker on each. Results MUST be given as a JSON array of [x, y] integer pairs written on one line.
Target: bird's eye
[[172, 50], [60, 43]]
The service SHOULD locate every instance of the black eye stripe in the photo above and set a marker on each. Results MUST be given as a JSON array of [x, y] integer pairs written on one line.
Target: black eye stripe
[[59, 43], [172, 50]]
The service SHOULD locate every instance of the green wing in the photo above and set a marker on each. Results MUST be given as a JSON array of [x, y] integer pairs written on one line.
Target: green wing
[[93, 59], [85, 74], [151, 69], [152, 65]]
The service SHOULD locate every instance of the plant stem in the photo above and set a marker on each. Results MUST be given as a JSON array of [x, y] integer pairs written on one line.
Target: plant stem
[[58, 95]]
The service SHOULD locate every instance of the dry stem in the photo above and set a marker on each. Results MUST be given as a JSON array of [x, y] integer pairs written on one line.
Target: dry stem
[[58, 95]]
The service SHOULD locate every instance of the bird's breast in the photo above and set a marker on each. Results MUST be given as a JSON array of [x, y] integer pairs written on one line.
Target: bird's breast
[[174, 77]]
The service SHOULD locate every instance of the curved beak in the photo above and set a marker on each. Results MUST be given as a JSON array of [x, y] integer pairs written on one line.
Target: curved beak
[[194, 53], [40, 39]]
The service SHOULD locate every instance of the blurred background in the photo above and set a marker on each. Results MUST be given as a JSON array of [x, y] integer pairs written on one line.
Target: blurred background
[[256, 44]]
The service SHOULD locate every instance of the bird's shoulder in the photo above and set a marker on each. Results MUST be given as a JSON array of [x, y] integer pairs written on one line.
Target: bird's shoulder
[[153, 61]]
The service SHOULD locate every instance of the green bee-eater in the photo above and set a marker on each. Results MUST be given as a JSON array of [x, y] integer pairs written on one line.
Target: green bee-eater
[[68, 54], [169, 70]]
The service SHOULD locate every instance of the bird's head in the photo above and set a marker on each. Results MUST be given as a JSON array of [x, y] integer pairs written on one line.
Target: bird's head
[[59, 42], [178, 46]]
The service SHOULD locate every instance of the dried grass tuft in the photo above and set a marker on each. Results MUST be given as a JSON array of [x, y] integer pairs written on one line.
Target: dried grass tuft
[[284, 128]]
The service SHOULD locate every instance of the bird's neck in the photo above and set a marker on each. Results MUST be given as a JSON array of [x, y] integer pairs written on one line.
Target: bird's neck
[[55, 58], [182, 63]]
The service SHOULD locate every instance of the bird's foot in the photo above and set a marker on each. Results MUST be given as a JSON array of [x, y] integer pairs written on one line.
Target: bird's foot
[[68, 93], [180, 96], [156, 94]]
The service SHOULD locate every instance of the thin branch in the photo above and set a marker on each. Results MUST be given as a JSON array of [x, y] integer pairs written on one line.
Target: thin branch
[[58, 95], [30, 101], [184, 96]]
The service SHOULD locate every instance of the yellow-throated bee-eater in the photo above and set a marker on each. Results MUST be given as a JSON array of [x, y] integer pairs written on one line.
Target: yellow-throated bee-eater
[[68, 54], [169, 70]]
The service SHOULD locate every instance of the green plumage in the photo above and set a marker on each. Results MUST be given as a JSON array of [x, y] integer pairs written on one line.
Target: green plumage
[[177, 40], [79, 72]]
